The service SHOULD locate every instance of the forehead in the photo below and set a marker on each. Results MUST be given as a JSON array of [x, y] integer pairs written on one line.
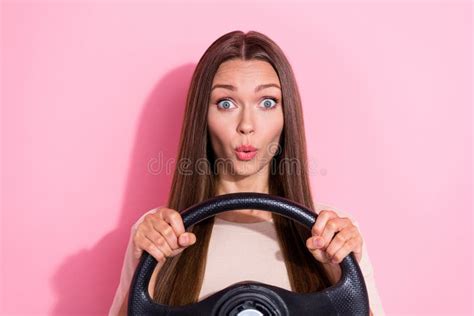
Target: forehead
[[240, 72]]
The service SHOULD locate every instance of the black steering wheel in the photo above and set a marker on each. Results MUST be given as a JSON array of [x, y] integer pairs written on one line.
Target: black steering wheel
[[249, 298]]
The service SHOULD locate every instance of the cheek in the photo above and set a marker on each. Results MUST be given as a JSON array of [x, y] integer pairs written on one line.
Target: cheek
[[219, 133], [272, 135], [217, 127], [273, 126]]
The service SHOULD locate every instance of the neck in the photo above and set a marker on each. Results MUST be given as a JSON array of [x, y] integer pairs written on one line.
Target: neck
[[254, 183]]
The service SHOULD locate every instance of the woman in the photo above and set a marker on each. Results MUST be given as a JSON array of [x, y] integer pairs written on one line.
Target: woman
[[243, 131]]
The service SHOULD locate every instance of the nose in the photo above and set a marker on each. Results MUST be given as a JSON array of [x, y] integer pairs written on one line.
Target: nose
[[246, 125]]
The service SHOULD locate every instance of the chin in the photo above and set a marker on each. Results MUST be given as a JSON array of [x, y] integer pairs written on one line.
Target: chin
[[246, 169]]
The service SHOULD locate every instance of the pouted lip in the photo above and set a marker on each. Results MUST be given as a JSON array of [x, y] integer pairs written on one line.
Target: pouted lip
[[245, 148]]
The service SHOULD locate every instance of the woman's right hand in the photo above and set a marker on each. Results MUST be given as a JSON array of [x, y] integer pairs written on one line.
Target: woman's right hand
[[162, 235]]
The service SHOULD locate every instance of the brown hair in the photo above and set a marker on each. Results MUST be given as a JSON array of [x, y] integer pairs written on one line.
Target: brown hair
[[180, 279]]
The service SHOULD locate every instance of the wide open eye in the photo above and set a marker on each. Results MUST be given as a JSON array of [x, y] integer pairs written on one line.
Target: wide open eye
[[268, 105], [226, 104]]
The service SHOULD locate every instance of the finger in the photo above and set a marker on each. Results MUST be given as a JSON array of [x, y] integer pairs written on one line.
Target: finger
[[314, 242], [318, 254], [358, 256], [321, 221], [187, 239], [340, 239], [137, 252], [167, 232], [344, 250], [159, 241], [137, 246], [151, 248], [359, 249], [173, 218], [333, 226]]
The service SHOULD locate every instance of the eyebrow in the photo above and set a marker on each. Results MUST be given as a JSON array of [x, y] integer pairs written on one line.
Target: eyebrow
[[258, 88]]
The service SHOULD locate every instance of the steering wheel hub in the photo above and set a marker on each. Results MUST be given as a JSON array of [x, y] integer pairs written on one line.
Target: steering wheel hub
[[250, 299]]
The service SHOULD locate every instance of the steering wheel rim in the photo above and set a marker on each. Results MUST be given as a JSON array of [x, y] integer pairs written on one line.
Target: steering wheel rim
[[348, 296]]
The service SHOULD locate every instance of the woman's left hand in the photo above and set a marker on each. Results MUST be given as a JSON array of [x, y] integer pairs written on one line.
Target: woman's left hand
[[336, 237]]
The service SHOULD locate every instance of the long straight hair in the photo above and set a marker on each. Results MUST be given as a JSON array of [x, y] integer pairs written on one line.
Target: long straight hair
[[180, 279]]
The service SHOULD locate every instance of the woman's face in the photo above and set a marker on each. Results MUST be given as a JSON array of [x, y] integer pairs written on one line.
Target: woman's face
[[245, 109]]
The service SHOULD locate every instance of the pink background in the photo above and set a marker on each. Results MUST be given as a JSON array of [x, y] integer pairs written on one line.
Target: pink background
[[92, 92]]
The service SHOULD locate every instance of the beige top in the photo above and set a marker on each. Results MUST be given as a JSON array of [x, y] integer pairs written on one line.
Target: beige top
[[248, 251], [244, 251]]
